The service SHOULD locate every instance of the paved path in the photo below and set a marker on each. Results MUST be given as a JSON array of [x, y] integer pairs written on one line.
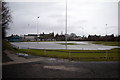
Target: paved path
[[18, 60], [45, 67]]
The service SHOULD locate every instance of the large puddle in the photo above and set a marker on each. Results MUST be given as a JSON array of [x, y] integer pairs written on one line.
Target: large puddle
[[62, 68], [84, 45], [27, 56]]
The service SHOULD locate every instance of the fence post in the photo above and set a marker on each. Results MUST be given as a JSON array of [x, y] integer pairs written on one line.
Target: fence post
[[106, 54], [44, 51], [69, 55], [28, 50]]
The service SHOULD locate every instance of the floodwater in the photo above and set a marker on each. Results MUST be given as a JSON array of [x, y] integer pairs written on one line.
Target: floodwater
[[82, 45]]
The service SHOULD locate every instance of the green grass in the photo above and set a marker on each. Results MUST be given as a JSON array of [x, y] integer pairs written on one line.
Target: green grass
[[68, 43], [8, 45], [107, 43], [113, 54]]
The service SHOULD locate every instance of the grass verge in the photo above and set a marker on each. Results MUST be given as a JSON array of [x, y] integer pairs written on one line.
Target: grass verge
[[107, 43], [80, 55]]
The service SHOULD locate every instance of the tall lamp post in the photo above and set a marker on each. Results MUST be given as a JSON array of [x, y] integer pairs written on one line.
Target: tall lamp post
[[82, 32], [106, 29], [37, 27], [66, 27], [66, 30], [106, 40], [28, 27]]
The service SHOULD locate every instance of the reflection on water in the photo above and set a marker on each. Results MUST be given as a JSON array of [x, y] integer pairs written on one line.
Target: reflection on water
[[55, 45]]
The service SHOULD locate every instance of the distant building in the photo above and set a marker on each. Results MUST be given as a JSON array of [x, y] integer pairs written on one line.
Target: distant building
[[14, 38], [47, 37], [101, 38], [93, 37], [30, 37], [59, 37], [77, 38]]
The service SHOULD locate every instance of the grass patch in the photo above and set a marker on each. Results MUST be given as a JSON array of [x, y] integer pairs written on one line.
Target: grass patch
[[8, 45], [95, 55], [107, 43], [68, 43]]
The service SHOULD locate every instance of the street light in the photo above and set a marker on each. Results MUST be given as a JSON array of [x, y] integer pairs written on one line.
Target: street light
[[66, 29], [106, 29], [82, 32], [37, 27], [106, 40], [28, 27]]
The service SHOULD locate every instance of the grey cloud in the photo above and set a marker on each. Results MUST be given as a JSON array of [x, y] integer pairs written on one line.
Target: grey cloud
[[52, 17]]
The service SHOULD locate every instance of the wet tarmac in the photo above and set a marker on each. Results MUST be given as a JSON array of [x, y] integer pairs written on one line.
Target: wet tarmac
[[60, 68]]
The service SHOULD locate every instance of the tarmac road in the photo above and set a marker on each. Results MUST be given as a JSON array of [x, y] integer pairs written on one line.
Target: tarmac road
[[60, 68]]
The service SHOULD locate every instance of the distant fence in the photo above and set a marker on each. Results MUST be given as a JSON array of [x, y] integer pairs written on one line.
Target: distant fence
[[73, 51]]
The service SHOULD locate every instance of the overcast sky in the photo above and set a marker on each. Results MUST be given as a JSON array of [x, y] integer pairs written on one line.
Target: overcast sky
[[84, 17]]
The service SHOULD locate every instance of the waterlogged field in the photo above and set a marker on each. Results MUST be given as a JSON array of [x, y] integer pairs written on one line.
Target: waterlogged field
[[71, 45], [72, 54]]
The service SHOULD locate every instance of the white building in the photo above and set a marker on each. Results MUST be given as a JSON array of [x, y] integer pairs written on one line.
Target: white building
[[30, 37]]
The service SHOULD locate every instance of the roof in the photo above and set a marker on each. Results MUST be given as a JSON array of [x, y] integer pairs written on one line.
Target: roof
[[31, 35]]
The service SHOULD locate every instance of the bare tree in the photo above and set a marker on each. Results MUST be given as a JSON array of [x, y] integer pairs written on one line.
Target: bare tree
[[4, 21], [6, 18]]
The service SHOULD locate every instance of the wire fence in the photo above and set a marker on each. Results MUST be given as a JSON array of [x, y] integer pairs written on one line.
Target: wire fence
[[70, 52]]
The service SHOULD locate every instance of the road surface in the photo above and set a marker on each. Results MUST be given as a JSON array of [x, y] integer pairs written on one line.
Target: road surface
[[44, 67]]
